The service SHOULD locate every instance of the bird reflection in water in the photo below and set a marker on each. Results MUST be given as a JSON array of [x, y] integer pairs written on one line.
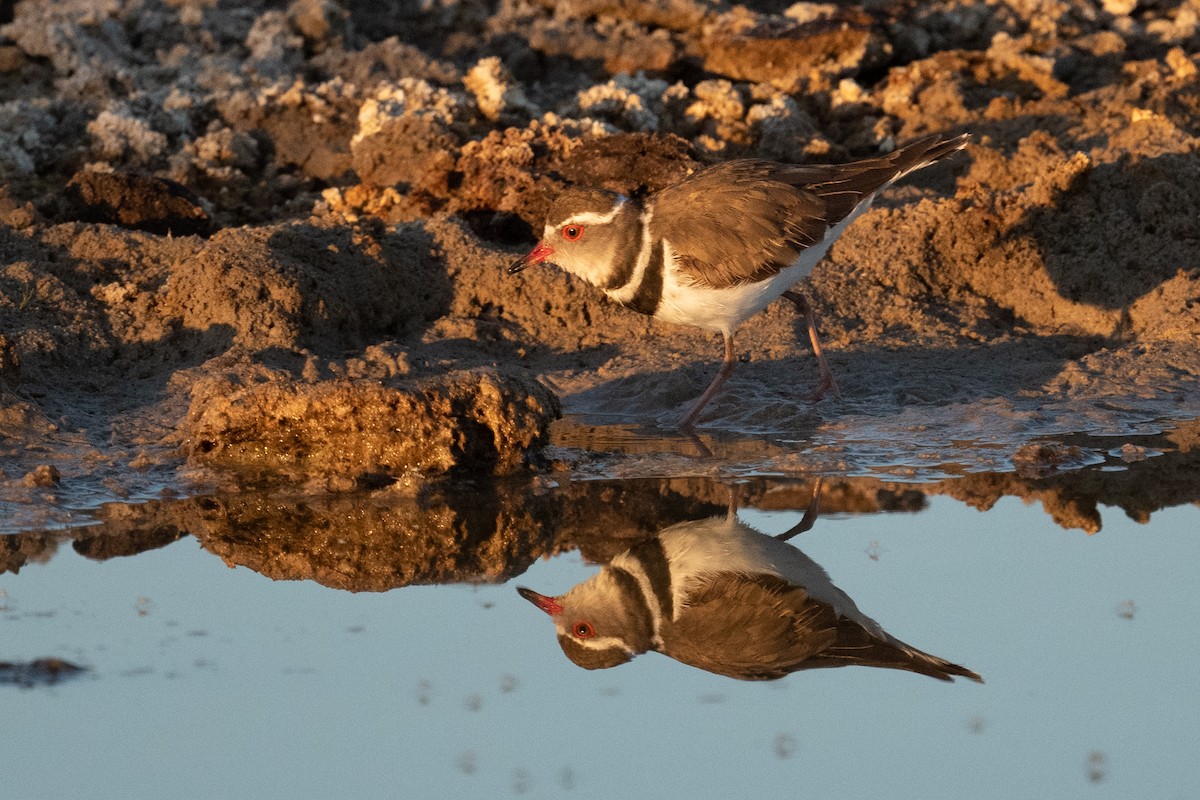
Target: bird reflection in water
[[719, 595]]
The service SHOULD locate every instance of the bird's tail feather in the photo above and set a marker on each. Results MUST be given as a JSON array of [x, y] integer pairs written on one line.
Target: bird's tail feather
[[855, 646], [843, 187]]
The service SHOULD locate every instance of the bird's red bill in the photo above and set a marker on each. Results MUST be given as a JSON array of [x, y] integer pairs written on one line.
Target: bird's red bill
[[535, 256], [548, 604]]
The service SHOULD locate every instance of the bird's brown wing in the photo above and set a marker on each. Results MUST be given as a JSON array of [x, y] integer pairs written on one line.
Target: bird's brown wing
[[745, 220], [737, 222], [753, 627], [759, 627]]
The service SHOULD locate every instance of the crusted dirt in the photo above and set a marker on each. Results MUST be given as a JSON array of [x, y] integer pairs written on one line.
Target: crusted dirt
[[239, 242]]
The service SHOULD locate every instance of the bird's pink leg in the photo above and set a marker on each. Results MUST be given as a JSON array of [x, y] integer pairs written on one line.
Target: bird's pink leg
[[827, 382], [714, 387], [810, 514]]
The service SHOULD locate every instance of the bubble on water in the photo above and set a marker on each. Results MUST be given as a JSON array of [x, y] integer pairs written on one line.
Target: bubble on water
[[785, 745], [522, 781], [467, 763], [1126, 609]]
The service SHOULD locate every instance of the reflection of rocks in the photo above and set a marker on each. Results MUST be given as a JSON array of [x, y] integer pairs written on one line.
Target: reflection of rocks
[[491, 530], [602, 518], [122, 530], [377, 542], [19, 549], [1073, 498], [1151, 473], [843, 496], [373, 541], [383, 540], [127, 538]]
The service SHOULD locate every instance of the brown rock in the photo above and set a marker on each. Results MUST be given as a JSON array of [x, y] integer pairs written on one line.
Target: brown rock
[[415, 150], [15, 215], [1043, 458], [339, 434], [681, 15], [790, 55], [44, 475], [509, 171], [626, 47], [307, 129], [151, 204], [630, 163]]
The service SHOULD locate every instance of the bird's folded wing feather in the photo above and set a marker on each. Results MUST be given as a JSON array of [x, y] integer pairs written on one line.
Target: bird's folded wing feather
[[751, 627], [738, 222], [745, 220]]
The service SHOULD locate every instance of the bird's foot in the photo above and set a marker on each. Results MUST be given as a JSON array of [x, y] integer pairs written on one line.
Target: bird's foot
[[827, 384]]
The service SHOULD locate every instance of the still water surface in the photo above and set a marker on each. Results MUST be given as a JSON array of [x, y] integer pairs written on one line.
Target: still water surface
[[207, 681]]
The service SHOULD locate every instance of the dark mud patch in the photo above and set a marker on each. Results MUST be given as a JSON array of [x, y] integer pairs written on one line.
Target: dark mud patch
[[39, 672]]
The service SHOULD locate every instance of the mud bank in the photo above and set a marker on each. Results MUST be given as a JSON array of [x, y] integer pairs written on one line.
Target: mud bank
[[489, 531], [237, 240]]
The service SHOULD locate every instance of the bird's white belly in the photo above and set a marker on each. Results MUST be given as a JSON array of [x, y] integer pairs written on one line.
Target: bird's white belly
[[721, 544], [725, 309]]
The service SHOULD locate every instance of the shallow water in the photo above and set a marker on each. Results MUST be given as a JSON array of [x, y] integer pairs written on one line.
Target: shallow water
[[222, 682]]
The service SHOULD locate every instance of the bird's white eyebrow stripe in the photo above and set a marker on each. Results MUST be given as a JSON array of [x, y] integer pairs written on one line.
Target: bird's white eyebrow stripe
[[597, 642], [595, 217], [606, 643]]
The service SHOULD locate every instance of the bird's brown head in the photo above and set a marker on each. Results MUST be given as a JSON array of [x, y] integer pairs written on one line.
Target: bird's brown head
[[591, 631], [588, 232]]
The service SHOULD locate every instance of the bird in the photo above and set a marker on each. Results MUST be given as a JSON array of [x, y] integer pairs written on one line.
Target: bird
[[721, 596], [719, 245]]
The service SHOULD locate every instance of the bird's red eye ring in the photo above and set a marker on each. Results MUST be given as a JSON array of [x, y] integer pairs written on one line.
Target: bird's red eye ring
[[583, 630], [572, 233]]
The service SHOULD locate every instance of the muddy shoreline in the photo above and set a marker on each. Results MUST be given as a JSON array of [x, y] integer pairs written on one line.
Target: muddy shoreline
[[239, 242], [489, 531]]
